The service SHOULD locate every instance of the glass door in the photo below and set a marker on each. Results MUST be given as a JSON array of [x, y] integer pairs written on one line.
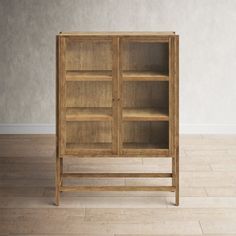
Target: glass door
[[89, 96], [145, 96]]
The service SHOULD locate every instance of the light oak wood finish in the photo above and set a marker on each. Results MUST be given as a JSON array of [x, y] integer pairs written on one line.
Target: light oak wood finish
[[118, 33], [102, 75], [117, 96], [89, 114], [144, 76], [145, 114], [176, 120], [118, 175], [116, 188]]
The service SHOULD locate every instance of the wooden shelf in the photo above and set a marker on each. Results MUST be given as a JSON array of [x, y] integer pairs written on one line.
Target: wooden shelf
[[144, 76], [145, 145], [89, 75], [105, 114], [145, 114], [116, 175], [88, 146], [88, 114]]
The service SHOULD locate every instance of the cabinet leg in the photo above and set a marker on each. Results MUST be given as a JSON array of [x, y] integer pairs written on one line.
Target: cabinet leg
[[58, 180], [57, 198], [177, 196], [173, 172], [177, 177]]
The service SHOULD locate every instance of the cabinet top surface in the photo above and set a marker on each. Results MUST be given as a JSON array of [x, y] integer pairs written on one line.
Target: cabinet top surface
[[118, 33]]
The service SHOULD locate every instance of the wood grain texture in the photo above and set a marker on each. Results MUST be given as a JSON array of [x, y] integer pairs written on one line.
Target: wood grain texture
[[88, 55], [176, 120], [134, 75], [145, 56], [88, 75], [145, 94], [88, 114], [146, 133], [61, 95], [116, 188], [89, 94], [145, 114], [124, 33], [115, 95], [117, 175]]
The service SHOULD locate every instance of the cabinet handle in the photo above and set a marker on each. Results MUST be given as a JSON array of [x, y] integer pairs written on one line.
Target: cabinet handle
[[113, 99]]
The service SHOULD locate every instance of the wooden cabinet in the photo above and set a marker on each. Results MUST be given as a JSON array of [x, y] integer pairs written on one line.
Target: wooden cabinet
[[117, 96]]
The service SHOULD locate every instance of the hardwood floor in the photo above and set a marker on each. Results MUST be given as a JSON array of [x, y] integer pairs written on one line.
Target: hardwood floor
[[207, 181]]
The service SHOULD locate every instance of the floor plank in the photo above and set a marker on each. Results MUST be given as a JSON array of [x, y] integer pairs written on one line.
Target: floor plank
[[221, 191], [124, 215], [219, 226], [72, 225]]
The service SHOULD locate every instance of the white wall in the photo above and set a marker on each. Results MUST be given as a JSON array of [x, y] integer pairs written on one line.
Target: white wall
[[207, 32]]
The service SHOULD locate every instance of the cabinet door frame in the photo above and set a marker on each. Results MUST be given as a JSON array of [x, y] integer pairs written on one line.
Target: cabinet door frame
[[61, 123], [117, 91], [152, 151], [61, 77]]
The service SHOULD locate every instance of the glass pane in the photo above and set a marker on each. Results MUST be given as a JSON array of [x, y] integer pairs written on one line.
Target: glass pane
[[88, 135], [146, 135], [147, 58]]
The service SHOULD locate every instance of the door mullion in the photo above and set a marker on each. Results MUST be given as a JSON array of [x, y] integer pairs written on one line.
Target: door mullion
[[115, 92], [120, 101]]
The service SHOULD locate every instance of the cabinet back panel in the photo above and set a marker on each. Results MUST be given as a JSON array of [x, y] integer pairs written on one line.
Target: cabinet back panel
[[146, 132], [141, 56], [88, 55], [88, 132], [89, 94], [145, 94]]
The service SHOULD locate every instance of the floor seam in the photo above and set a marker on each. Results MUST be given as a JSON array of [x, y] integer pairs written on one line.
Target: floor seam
[[200, 226]]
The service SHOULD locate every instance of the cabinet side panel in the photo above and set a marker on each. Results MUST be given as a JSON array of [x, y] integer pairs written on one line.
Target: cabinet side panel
[[171, 96], [177, 116], [177, 93], [57, 96], [61, 96]]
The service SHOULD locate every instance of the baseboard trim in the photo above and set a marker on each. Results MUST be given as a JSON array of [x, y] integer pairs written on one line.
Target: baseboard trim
[[208, 128], [27, 129], [184, 128]]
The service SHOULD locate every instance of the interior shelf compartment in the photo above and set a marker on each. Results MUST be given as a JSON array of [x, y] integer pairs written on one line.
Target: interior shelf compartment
[[88, 135], [89, 114], [145, 60], [145, 135], [88, 58], [144, 76], [142, 114], [88, 75], [145, 100], [90, 94]]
